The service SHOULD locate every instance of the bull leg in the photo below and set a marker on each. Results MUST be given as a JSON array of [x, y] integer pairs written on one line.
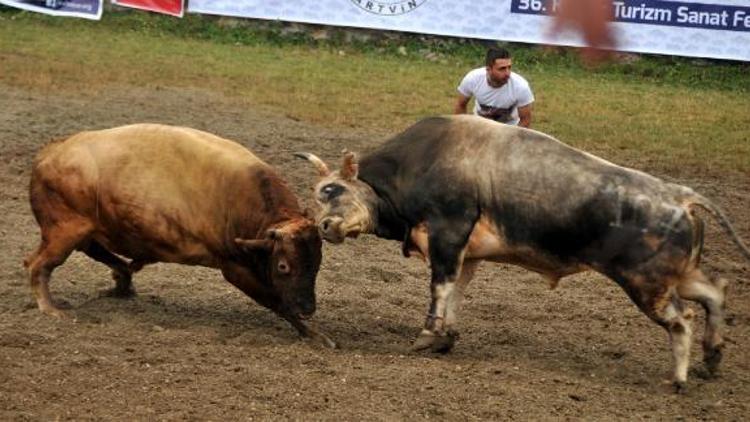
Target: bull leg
[[669, 311], [663, 305], [34, 255], [454, 301], [308, 331], [248, 283], [58, 242], [447, 244], [121, 272], [711, 294], [434, 335], [137, 264], [678, 322]]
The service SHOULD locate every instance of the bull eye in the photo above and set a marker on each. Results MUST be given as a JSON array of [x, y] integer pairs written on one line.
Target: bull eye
[[332, 190], [283, 267]]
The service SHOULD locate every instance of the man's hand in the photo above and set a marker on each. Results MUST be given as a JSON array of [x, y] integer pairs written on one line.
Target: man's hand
[[524, 115], [460, 106]]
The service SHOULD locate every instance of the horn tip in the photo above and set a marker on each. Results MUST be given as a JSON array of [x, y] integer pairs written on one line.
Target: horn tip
[[302, 155]]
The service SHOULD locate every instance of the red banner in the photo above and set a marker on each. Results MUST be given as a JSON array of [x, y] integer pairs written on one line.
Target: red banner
[[170, 7]]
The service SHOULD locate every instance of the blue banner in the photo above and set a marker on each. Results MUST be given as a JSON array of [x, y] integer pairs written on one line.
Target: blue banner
[[87, 9]]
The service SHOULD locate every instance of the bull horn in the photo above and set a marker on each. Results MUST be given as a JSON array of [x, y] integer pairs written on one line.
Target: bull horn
[[323, 170], [273, 234], [349, 166], [253, 245]]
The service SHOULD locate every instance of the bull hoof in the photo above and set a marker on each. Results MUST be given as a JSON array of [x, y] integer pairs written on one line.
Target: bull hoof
[[123, 285], [444, 343], [324, 340], [424, 341], [679, 387], [311, 333], [56, 312], [119, 293], [712, 360], [436, 343]]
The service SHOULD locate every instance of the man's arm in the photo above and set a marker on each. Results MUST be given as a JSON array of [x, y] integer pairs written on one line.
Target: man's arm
[[524, 114], [461, 102]]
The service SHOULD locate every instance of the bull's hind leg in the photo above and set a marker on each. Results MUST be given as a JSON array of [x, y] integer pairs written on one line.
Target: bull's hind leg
[[663, 305], [711, 294], [121, 271], [58, 241], [678, 321]]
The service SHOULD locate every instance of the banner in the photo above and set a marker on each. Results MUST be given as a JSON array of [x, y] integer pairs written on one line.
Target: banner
[[707, 28], [169, 7], [87, 9]]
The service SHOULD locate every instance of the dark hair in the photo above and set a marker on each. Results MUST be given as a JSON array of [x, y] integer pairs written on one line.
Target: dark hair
[[494, 54]]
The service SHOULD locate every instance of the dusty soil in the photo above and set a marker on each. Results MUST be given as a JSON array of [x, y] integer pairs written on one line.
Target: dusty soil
[[190, 346]]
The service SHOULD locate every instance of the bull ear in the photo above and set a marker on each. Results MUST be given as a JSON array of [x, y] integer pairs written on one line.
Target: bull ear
[[349, 167], [254, 245], [322, 168]]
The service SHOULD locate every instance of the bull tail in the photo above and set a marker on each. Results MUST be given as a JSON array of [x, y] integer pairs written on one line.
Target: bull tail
[[698, 236], [722, 219]]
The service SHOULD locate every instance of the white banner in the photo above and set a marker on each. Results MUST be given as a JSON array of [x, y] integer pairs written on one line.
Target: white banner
[[707, 28]]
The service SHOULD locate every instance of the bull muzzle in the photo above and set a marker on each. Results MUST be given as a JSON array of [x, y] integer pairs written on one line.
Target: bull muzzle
[[306, 310], [299, 309], [331, 229]]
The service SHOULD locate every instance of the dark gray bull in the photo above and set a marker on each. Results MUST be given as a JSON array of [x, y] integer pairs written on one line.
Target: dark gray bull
[[462, 189]]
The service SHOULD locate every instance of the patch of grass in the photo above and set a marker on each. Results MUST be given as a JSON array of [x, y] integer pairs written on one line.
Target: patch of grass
[[695, 112]]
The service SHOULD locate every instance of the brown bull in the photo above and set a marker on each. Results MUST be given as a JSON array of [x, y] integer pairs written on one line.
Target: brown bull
[[155, 193]]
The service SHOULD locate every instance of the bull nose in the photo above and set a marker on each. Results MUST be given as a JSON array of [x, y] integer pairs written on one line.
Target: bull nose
[[306, 309], [327, 224], [330, 227]]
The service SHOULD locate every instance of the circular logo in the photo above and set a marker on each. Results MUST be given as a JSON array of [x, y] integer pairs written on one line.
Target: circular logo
[[388, 7]]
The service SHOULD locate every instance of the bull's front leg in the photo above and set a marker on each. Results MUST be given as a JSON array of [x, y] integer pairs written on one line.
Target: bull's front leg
[[247, 282], [309, 331], [436, 334], [305, 329], [446, 253]]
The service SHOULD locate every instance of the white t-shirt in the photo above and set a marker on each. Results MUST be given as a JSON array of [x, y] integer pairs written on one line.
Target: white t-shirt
[[500, 104]]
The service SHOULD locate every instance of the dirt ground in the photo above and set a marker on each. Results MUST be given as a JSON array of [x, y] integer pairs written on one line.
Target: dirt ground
[[190, 346]]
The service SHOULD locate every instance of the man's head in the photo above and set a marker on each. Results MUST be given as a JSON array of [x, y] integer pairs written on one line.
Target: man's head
[[498, 62]]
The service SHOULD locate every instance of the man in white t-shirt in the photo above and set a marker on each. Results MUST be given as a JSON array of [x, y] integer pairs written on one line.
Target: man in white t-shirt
[[499, 94]]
